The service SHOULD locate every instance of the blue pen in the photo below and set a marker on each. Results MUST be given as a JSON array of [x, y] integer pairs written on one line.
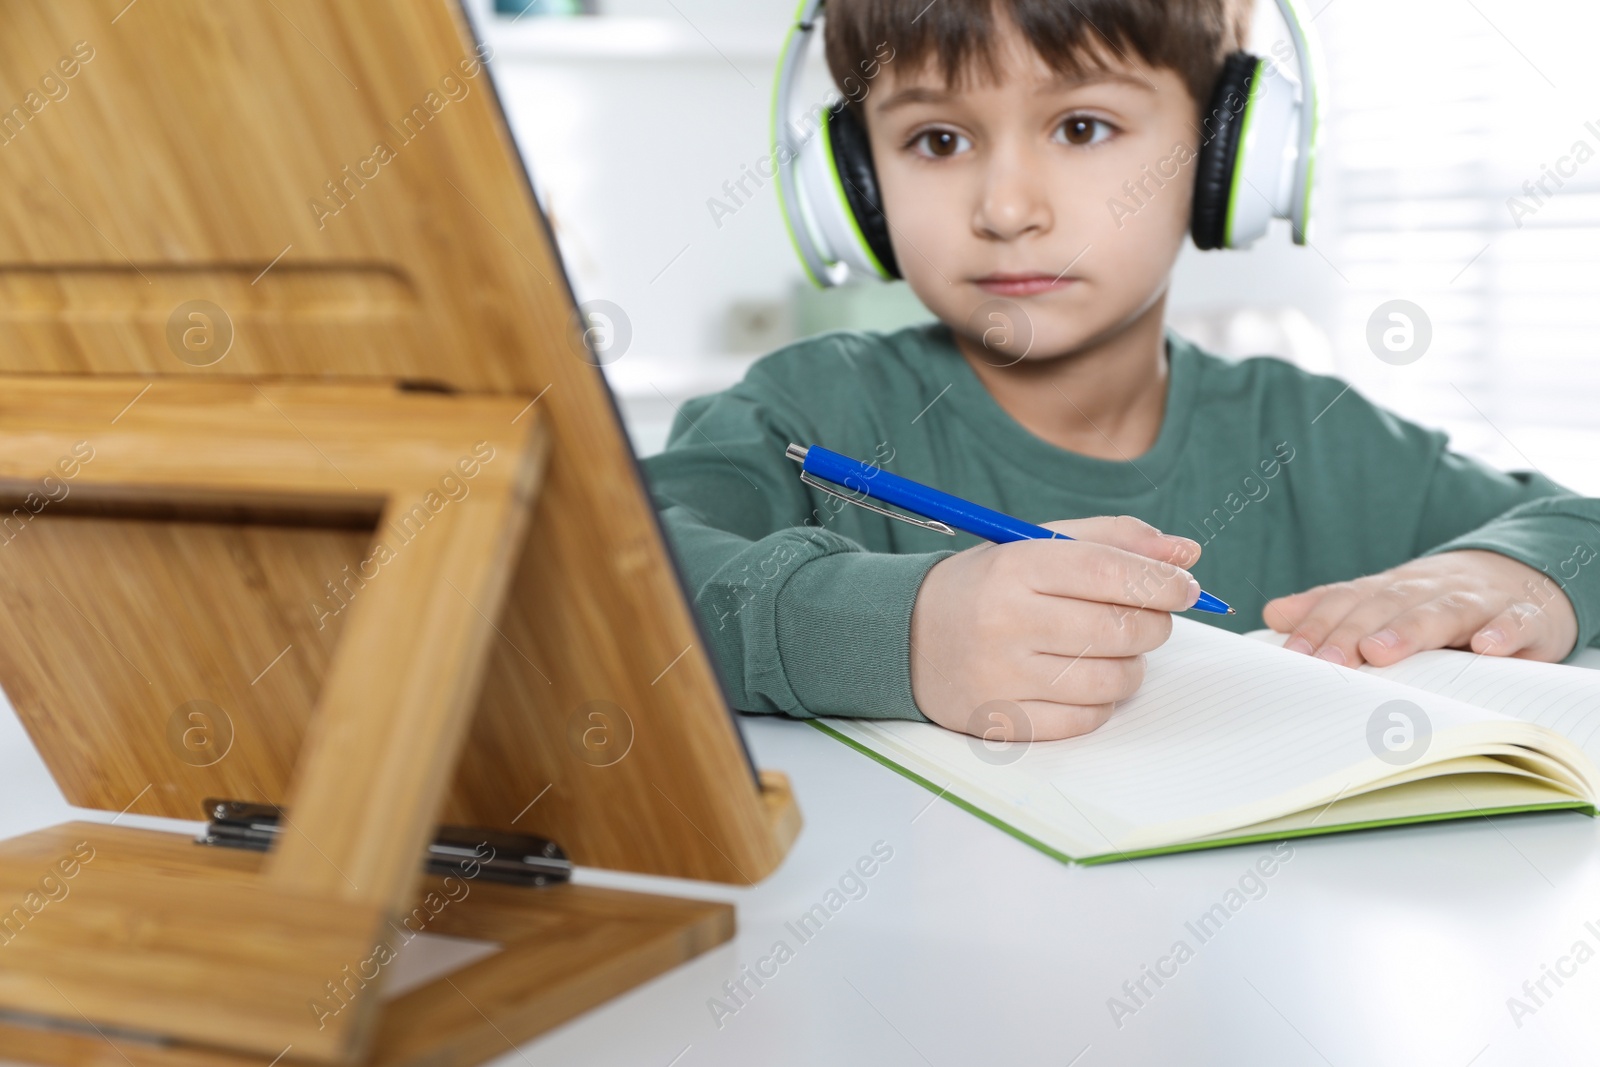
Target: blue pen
[[942, 510]]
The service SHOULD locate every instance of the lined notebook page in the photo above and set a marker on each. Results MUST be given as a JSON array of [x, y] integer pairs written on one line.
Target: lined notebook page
[[1221, 723], [1563, 697]]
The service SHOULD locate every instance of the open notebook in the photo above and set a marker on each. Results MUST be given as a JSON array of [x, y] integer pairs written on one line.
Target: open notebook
[[1232, 739]]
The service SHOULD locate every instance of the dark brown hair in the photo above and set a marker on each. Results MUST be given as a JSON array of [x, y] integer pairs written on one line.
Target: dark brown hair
[[1073, 37]]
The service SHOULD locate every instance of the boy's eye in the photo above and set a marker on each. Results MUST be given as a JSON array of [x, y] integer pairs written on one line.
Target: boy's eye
[[941, 143], [1083, 130]]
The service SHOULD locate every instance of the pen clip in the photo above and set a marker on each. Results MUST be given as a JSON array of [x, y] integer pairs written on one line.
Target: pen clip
[[926, 524]]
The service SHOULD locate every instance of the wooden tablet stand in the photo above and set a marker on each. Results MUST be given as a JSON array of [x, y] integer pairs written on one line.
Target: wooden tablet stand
[[315, 496]]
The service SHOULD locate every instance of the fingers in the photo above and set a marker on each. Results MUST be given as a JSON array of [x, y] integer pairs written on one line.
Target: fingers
[[1466, 599], [1285, 613], [1086, 570], [1382, 623], [1039, 639], [1084, 679], [1314, 615], [1068, 696], [1438, 623], [1052, 722], [1512, 631], [1034, 720], [1070, 627], [1447, 621], [1131, 535], [1364, 625]]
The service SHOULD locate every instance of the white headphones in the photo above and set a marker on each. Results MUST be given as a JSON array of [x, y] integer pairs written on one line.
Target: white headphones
[[1259, 132]]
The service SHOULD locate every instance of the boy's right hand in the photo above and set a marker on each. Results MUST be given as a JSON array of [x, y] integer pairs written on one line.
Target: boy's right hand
[[1055, 631]]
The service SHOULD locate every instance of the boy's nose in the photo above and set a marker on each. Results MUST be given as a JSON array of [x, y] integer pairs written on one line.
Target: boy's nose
[[1015, 199]]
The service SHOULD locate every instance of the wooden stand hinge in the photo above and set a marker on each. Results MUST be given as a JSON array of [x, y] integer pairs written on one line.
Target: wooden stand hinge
[[516, 859]]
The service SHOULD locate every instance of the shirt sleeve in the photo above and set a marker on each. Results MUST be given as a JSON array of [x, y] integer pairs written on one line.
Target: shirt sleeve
[[1523, 515], [801, 620]]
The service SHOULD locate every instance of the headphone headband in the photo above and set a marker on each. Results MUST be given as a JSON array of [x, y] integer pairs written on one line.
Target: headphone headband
[[1309, 62], [786, 147]]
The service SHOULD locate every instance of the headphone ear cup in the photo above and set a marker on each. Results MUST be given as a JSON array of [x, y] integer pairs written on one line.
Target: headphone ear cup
[[1219, 150], [852, 158]]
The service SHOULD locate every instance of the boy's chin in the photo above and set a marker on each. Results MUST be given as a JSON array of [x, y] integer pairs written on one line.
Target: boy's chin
[[1048, 343], [1044, 327]]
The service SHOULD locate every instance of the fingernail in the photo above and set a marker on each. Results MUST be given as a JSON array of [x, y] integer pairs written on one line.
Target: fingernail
[[1189, 546], [1194, 591], [1386, 638], [1332, 654], [1494, 636], [1298, 644]]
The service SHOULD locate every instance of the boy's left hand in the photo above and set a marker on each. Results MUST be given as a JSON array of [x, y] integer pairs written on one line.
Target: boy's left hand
[[1473, 599]]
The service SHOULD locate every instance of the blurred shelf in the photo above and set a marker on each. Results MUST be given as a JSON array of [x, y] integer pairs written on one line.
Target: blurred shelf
[[618, 38], [649, 392], [638, 378]]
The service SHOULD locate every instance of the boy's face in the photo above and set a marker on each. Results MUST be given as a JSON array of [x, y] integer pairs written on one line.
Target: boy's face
[[1027, 177]]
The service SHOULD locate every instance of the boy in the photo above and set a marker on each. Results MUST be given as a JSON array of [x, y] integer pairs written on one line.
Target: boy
[[1000, 132]]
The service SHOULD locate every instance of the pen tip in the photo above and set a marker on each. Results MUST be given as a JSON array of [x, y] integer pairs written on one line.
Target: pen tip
[[1232, 612]]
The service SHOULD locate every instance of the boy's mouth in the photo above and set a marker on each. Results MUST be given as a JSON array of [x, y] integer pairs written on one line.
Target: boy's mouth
[[1022, 284]]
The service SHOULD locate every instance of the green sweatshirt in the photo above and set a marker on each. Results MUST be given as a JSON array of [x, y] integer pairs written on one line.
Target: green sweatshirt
[[1287, 479]]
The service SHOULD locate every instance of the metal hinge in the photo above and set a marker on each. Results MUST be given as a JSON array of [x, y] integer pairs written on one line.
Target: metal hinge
[[517, 859]]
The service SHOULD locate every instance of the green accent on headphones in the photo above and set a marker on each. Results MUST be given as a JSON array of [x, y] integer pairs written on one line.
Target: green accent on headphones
[[1237, 181], [777, 163], [843, 201]]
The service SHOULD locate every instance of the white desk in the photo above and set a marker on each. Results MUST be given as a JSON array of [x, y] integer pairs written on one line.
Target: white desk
[[1396, 946], [968, 947]]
